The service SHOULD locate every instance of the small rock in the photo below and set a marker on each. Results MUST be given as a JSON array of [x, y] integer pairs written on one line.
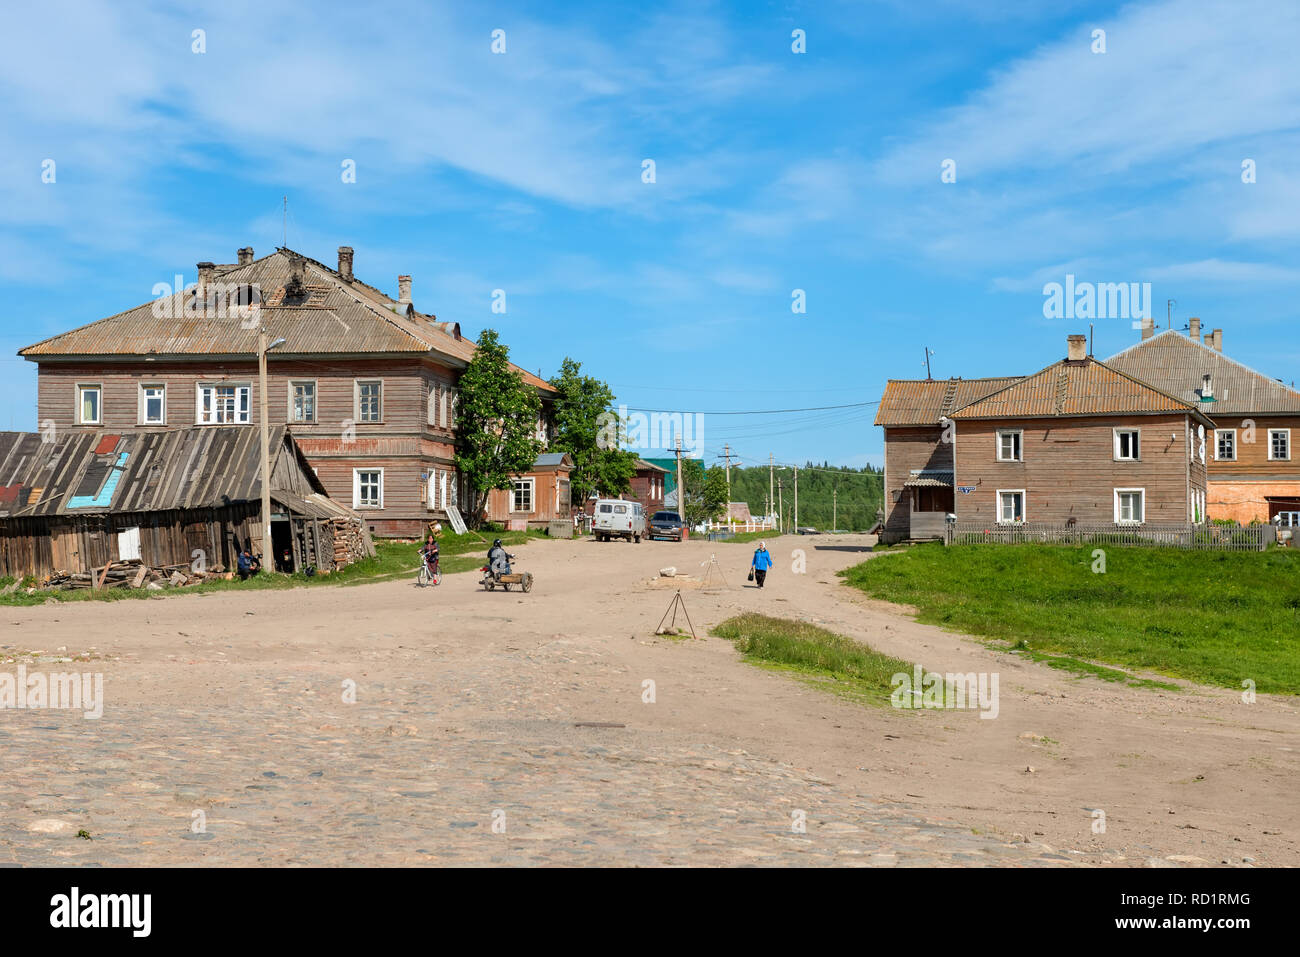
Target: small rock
[[48, 825]]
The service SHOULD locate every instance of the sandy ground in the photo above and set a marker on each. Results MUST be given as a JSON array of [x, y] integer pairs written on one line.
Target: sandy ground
[[205, 691]]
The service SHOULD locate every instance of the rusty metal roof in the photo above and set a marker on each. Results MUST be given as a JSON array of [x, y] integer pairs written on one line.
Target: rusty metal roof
[[324, 314], [1177, 364], [1072, 388], [926, 401], [930, 478], [191, 468]]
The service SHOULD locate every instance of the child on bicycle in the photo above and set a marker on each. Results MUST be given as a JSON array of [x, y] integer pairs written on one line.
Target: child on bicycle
[[429, 552]]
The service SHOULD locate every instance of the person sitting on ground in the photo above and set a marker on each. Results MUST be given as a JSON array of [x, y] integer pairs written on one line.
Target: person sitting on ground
[[761, 563], [246, 565]]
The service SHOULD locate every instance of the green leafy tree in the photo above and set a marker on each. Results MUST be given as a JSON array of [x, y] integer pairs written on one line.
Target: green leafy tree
[[587, 428], [706, 492], [496, 421]]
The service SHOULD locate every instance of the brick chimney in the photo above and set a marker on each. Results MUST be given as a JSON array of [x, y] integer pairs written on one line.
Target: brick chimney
[[245, 255], [404, 290], [1078, 348], [297, 284], [345, 263], [206, 273], [1148, 328], [1218, 340], [1194, 329]]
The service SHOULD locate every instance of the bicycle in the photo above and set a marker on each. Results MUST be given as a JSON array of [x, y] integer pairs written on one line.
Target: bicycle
[[427, 575]]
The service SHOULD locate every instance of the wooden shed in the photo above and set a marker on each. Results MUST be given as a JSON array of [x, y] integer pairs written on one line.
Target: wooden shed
[[180, 497]]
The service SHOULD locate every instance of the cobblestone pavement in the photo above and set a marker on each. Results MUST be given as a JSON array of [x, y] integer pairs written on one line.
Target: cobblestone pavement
[[412, 785], [226, 740]]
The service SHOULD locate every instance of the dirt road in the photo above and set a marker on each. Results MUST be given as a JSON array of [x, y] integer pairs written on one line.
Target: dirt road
[[517, 729]]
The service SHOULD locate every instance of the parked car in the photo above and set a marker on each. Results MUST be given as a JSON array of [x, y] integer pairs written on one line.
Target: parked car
[[807, 530], [666, 525], [616, 518]]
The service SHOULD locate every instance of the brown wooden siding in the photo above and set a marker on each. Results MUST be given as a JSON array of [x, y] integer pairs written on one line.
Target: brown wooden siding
[[1069, 469], [908, 448], [414, 436]]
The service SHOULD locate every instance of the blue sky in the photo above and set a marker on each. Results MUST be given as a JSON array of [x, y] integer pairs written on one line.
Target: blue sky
[[775, 171]]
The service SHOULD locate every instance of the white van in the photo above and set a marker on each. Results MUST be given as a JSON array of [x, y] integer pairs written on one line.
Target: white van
[[616, 518]]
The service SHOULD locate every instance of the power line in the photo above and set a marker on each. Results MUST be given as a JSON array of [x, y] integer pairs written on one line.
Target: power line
[[815, 408]]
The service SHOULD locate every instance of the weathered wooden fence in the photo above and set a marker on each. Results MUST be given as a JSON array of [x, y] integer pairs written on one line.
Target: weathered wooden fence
[[1228, 538]]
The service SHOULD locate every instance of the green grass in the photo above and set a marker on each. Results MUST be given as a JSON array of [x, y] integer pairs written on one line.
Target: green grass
[[1216, 618], [828, 660], [393, 559], [742, 537]]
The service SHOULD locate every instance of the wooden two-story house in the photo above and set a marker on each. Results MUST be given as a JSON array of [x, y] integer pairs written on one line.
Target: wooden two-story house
[[366, 383], [1080, 442], [918, 493], [1254, 470]]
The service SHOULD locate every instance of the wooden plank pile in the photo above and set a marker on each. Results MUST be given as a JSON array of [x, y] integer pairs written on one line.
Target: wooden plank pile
[[132, 573]]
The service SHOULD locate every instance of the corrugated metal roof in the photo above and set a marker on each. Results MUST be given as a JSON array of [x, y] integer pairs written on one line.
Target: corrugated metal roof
[[1082, 387], [926, 401], [551, 460], [326, 315], [200, 467], [1176, 364]]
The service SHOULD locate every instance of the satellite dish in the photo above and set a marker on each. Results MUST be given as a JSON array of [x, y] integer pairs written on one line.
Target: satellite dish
[[1200, 432]]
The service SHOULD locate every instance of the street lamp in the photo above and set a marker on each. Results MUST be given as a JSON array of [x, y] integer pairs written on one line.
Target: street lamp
[[262, 350]]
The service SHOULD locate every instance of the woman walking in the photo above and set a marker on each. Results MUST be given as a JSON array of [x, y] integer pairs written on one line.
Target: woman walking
[[761, 563]]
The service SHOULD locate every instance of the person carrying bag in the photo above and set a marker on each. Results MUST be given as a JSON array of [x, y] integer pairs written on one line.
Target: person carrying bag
[[761, 563]]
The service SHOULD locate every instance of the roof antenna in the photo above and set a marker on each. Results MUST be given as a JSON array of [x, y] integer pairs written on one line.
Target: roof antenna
[[1169, 313], [1090, 338], [928, 352], [284, 234]]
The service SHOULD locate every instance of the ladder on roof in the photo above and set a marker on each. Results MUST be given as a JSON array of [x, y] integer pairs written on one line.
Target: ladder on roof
[[949, 397]]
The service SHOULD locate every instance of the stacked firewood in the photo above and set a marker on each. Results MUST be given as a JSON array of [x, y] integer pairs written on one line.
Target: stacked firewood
[[131, 573], [349, 541]]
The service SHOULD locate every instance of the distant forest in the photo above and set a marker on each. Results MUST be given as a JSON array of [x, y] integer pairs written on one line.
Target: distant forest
[[857, 492]]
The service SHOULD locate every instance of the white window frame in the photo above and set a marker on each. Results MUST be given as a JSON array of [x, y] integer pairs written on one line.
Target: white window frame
[[1217, 433], [1271, 456], [198, 402], [1140, 491], [315, 399], [356, 488], [142, 413], [1024, 505], [78, 390], [1020, 442], [356, 401], [532, 496], [1137, 442]]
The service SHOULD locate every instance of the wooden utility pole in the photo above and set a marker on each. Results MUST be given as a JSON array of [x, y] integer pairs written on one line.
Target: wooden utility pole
[[796, 500], [266, 449], [780, 503], [771, 492], [834, 510], [726, 449], [681, 489]]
